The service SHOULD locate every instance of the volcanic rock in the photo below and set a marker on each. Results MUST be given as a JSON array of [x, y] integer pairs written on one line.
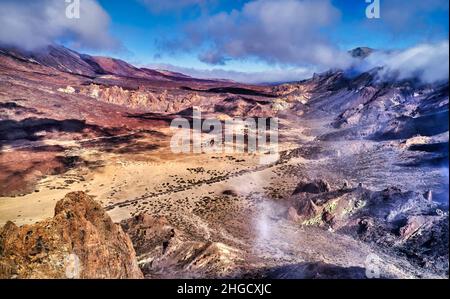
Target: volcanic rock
[[229, 192], [80, 241], [148, 233], [292, 214], [427, 242], [328, 218], [317, 186], [307, 208], [167, 252]]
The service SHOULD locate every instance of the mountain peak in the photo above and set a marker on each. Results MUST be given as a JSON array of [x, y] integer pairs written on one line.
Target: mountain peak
[[361, 52]]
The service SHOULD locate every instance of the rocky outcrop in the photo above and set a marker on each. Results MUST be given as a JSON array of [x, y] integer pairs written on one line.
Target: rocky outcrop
[[80, 241], [427, 241], [317, 186], [161, 101], [166, 252], [404, 222], [238, 106]]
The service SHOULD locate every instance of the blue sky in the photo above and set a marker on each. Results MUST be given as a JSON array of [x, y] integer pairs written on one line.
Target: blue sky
[[250, 40], [142, 30]]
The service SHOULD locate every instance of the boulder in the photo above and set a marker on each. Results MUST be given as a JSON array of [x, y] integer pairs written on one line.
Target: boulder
[[328, 218]]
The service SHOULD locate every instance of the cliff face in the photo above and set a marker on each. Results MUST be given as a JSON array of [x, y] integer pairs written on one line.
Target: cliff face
[[405, 222], [163, 251], [160, 101], [80, 241]]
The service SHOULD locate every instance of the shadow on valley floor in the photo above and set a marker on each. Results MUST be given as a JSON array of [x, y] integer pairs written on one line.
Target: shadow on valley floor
[[28, 158], [103, 138], [434, 155], [438, 161], [19, 175], [126, 144], [17, 109], [441, 147], [149, 116], [317, 270], [35, 129], [406, 127], [232, 90]]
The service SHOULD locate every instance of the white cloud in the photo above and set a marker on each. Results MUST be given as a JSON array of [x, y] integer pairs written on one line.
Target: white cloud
[[427, 62], [278, 32], [33, 24], [269, 76]]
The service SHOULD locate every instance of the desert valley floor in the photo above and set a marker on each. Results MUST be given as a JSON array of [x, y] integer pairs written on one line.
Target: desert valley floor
[[362, 170]]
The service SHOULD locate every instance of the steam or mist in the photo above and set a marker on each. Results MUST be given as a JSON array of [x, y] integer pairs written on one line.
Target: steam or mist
[[266, 226], [426, 62]]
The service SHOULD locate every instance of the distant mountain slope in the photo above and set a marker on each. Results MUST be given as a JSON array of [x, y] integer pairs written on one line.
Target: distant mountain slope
[[69, 61]]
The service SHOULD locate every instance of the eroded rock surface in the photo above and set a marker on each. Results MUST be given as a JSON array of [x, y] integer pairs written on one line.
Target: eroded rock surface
[[166, 252], [403, 222], [80, 241]]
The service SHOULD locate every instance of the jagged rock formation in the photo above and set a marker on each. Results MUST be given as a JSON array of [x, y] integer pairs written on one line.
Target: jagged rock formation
[[80, 241], [141, 99], [406, 222], [164, 251]]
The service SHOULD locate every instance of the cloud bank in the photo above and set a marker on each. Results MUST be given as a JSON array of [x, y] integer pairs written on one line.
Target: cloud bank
[[287, 35], [426, 62], [34, 24], [270, 76]]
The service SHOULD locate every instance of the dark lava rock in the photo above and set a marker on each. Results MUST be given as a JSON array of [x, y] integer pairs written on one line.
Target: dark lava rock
[[230, 193], [317, 270], [328, 218], [317, 186], [426, 241]]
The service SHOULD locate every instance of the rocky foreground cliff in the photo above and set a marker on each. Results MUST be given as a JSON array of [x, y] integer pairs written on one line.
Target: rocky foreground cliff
[[80, 241]]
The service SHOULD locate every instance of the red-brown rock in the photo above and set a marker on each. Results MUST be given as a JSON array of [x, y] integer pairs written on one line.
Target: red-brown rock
[[80, 241]]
